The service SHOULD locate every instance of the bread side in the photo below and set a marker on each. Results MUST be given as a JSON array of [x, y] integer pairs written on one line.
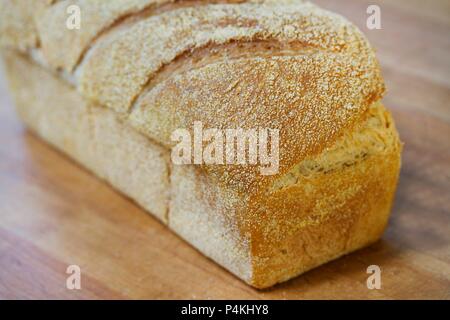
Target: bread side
[[92, 135]]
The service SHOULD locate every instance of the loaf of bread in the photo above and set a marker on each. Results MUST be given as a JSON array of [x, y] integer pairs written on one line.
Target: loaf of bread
[[111, 93]]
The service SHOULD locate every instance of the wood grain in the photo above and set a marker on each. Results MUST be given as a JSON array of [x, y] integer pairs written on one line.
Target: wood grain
[[53, 213]]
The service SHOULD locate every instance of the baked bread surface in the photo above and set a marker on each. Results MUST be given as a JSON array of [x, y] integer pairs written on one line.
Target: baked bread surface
[[152, 67]]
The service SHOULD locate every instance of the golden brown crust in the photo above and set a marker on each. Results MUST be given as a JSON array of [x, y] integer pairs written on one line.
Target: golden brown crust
[[284, 65], [63, 47], [345, 198], [326, 81], [315, 78], [260, 93], [92, 135], [342, 203]]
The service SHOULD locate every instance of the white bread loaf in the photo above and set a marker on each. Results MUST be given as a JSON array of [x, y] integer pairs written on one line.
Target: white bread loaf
[[111, 94]]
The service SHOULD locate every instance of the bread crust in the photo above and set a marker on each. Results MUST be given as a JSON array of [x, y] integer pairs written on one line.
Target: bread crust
[[147, 68], [92, 135], [18, 23]]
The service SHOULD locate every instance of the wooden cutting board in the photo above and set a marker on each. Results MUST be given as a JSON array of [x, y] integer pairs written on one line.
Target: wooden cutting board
[[54, 214]]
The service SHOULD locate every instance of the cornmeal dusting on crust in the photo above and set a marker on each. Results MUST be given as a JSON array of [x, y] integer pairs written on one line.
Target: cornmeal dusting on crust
[[117, 68], [373, 136], [17, 22], [158, 66], [154, 42], [63, 47]]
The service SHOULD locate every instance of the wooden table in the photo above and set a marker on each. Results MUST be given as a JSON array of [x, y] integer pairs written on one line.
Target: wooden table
[[54, 214]]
